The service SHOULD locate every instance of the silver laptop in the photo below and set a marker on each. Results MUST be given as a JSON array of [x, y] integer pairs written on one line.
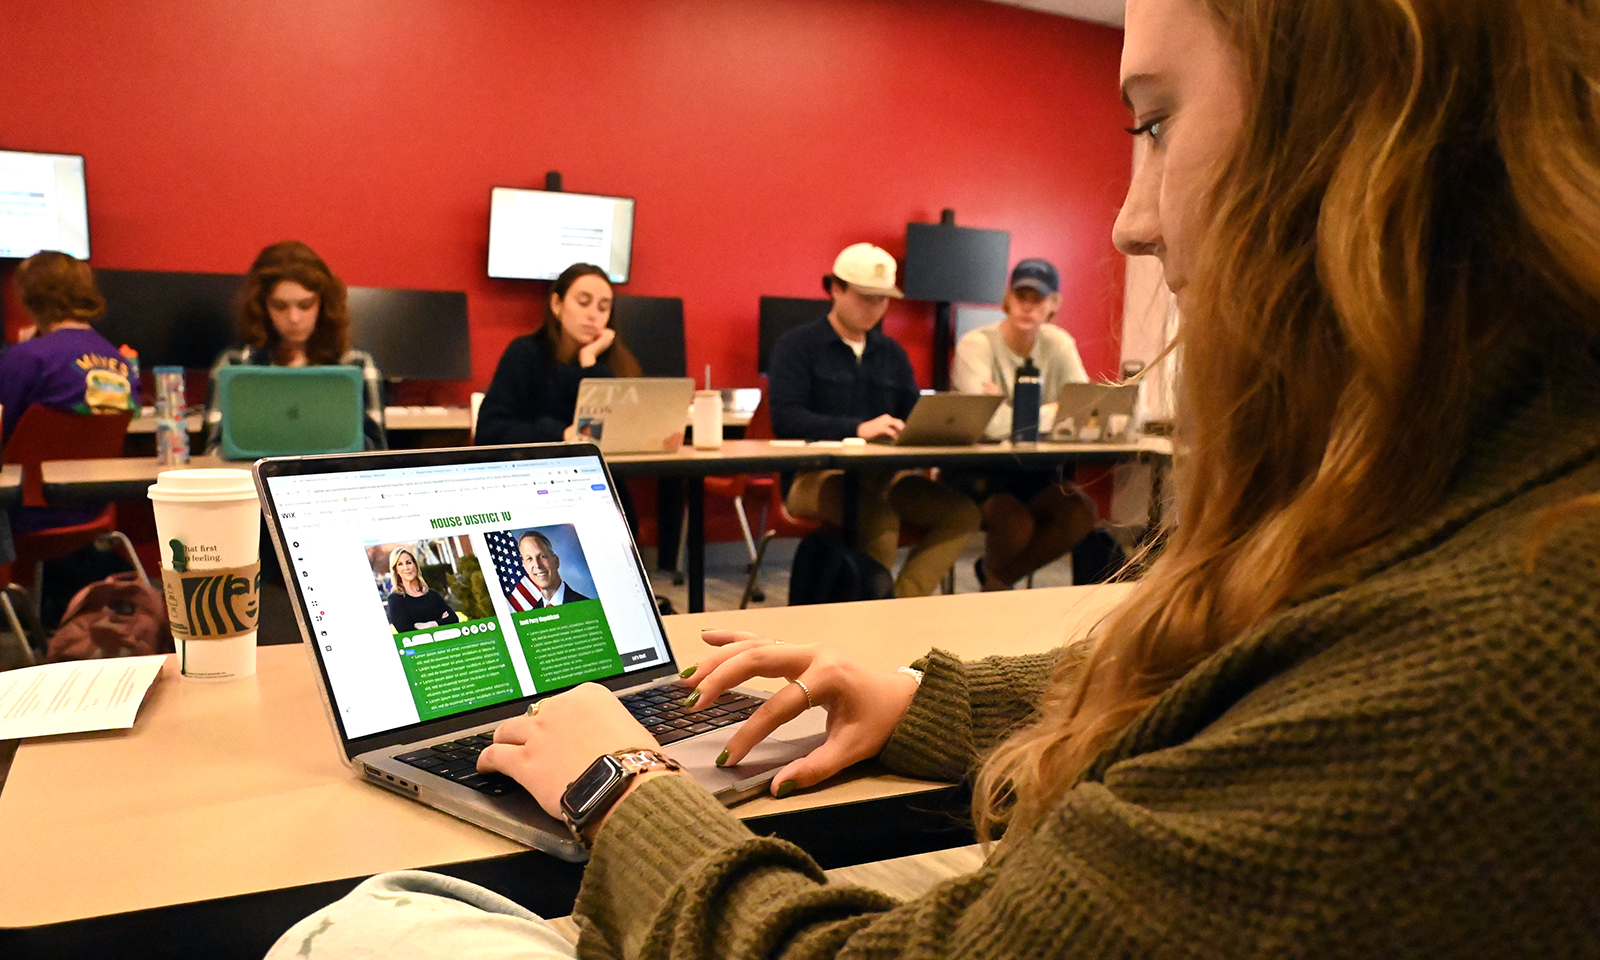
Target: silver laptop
[[415, 685], [1097, 413], [948, 420], [634, 415]]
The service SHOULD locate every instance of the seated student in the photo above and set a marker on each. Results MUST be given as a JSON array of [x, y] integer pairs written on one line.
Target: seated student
[[1030, 517], [66, 365], [543, 564], [1352, 710], [293, 313], [413, 605], [534, 392], [842, 376]]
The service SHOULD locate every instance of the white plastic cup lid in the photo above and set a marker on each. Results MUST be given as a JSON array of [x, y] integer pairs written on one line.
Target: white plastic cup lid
[[203, 484]]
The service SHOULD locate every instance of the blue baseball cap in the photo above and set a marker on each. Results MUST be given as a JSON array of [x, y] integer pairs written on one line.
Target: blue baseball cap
[[1036, 274]]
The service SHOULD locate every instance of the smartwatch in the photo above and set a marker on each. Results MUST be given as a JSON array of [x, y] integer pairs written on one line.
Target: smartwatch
[[598, 788]]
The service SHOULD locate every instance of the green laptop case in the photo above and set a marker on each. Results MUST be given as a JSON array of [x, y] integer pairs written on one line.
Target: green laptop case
[[289, 411]]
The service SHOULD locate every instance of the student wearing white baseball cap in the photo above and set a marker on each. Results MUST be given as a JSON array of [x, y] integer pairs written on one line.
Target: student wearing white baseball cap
[[841, 376]]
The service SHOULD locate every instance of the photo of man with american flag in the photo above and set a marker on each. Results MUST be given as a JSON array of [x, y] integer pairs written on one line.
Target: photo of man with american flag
[[540, 566]]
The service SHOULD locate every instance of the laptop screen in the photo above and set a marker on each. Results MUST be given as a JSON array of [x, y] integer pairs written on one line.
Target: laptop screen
[[435, 590]]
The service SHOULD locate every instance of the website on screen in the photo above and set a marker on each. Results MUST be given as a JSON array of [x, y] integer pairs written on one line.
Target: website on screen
[[433, 591]]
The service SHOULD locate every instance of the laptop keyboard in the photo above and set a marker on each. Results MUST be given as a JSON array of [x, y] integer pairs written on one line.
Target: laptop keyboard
[[659, 709]]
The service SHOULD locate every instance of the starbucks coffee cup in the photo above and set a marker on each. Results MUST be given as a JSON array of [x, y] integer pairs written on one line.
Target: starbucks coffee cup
[[209, 525]]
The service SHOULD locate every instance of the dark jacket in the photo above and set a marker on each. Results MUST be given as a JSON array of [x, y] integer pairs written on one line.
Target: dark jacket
[[406, 611], [531, 399], [819, 391]]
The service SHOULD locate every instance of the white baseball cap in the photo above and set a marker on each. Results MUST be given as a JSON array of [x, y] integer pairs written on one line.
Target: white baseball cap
[[869, 268]]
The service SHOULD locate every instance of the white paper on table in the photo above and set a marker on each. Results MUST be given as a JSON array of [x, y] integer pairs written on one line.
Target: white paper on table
[[75, 696]]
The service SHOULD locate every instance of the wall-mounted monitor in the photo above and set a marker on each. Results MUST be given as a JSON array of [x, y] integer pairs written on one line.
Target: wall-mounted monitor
[[43, 204], [536, 234]]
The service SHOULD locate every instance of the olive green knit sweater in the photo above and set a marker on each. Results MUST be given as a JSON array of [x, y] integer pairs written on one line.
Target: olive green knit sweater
[[1405, 765]]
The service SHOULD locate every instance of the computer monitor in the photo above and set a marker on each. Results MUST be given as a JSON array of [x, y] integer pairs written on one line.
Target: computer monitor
[[172, 319], [950, 264], [186, 319], [536, 234], [413, 334], [43, 204], [652, 329]]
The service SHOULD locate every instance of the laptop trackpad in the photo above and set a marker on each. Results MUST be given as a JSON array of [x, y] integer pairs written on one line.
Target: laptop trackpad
[[791, 741]]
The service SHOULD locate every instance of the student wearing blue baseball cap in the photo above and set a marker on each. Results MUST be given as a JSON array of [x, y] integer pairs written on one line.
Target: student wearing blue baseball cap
[[1030, 517]]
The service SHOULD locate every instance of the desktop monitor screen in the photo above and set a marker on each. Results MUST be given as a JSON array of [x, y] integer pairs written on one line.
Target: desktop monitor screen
[[536, 234], [43, 204], [950, 264]]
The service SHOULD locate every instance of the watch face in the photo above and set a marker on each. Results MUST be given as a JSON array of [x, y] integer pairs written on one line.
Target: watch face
[[591, 787]]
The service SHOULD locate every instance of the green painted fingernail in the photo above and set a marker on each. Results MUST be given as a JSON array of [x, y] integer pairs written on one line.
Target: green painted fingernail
[[689, 670], [722, 758], [692, 699], [785, 788]]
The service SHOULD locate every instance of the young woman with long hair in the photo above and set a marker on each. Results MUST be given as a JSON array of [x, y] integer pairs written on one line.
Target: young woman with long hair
[[1352, 709], [411, 604], [535, 388], [293, 312]]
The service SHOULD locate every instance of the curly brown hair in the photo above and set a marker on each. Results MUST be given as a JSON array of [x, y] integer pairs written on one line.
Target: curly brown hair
[[293, 260], [57, 287]]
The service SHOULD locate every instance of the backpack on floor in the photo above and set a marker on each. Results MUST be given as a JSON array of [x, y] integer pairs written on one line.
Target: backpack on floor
[[827, 570]]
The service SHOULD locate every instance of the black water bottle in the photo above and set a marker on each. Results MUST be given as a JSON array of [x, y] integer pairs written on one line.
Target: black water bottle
[[1025, 404]]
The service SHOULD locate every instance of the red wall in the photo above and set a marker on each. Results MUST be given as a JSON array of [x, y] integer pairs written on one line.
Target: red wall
[[759, 137]]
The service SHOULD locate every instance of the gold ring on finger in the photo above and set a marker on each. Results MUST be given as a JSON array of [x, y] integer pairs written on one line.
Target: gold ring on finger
[[533, 708], [806, 690]]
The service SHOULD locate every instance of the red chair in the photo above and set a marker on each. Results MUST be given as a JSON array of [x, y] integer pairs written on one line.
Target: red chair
[[741, 486], [45, 434], [784, 524], [764, 489]]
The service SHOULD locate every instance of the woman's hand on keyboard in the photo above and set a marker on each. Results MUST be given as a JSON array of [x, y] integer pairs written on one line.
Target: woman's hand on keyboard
[[547, 751], [863, 704]]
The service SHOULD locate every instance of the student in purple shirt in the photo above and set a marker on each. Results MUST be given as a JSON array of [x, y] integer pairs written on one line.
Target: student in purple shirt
[[66, 365]]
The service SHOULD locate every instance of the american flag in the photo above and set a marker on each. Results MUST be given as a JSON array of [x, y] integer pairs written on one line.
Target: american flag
[[514, 583]]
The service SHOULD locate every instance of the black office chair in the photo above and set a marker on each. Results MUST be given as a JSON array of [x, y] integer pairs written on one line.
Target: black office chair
[[778, 316]]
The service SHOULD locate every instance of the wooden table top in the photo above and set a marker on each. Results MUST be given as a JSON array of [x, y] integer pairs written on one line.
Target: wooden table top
[[231, 788]]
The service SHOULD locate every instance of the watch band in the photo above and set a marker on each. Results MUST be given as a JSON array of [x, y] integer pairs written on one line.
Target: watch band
[[638, 760], [630, 763]]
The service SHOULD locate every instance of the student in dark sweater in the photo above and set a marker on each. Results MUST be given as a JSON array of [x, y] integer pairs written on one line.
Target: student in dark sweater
[[841, 376], [535, 387]]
